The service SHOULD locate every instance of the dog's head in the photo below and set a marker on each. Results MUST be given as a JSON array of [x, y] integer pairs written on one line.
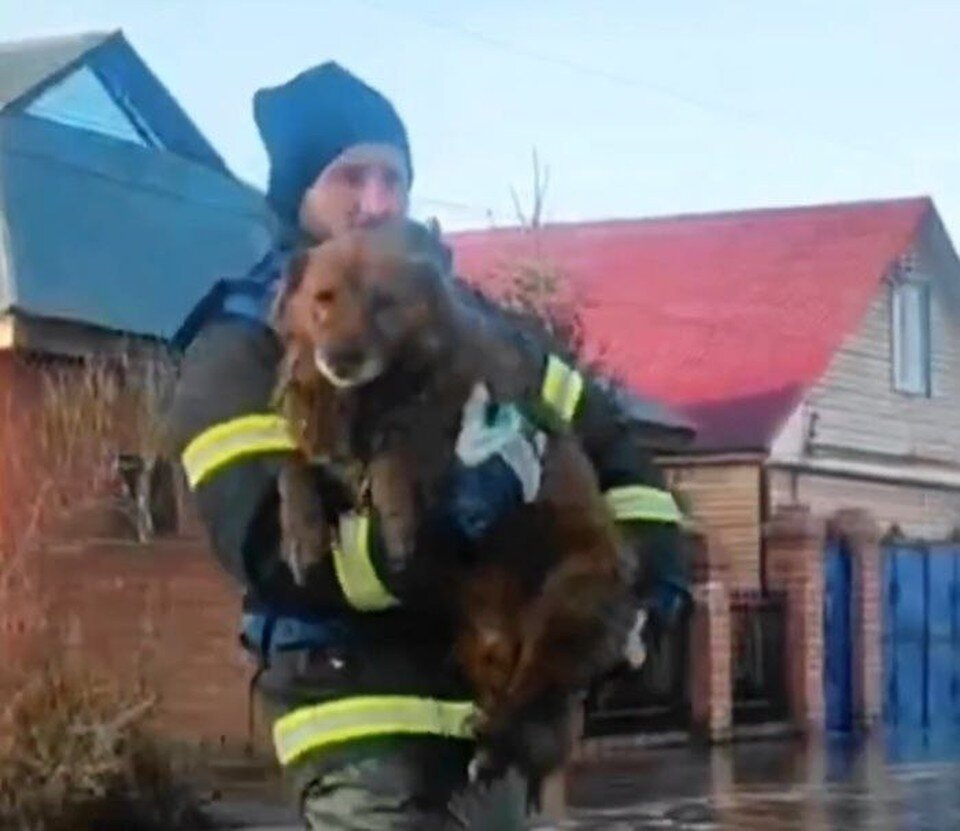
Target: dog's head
[[366, 299]]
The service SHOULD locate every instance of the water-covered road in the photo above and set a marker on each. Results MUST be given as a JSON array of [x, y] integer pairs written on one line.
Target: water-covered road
[[885, 783]]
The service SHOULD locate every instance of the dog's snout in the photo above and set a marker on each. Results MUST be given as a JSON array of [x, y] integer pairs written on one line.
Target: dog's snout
[[348, 359]]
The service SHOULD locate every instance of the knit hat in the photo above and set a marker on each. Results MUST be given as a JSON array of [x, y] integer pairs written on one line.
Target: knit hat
[[310, 120]]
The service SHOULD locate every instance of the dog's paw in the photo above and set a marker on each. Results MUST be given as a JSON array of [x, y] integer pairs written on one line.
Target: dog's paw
[[484, 768], [635, 650]]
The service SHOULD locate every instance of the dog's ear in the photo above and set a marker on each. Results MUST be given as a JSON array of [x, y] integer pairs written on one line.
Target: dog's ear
[[427, 241], [290, 283], [433, 305]]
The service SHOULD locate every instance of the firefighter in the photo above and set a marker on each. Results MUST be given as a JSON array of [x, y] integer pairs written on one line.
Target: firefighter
[[370, 719]]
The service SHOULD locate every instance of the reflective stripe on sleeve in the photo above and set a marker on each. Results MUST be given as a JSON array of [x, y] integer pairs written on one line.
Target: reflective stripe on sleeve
[[228, 441], [641, 502]]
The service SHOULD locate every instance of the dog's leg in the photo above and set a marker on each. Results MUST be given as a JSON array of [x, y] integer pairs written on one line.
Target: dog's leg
[[392, 492], [304, 538]]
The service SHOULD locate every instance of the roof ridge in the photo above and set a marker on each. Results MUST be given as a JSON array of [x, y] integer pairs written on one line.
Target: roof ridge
[[732, 214]]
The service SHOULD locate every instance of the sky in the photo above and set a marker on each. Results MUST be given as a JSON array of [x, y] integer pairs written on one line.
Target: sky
[[637, 108]]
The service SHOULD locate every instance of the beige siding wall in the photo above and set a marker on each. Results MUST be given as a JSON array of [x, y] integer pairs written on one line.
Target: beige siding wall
[[921, 512], [856, 405], [725, 499]]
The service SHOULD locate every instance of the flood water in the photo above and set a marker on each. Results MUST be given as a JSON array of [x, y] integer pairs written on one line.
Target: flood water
[[889, 781]]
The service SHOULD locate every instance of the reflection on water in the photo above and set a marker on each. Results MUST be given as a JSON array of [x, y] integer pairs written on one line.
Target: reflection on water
[[890, 780], [918, 746]]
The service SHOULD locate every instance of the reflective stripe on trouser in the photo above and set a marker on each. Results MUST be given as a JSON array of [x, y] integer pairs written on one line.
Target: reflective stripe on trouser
[[363, 717], [227, 441], [562, 388], [641, 502], [352, 561]]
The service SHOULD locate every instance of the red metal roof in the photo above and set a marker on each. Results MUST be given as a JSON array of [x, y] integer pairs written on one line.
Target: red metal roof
[[728, 317]]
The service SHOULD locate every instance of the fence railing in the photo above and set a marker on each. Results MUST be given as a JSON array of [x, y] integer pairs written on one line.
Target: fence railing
[[650, 699], [758, 647]]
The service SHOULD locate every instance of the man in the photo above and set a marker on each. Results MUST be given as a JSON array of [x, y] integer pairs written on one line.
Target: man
[[371, 717]]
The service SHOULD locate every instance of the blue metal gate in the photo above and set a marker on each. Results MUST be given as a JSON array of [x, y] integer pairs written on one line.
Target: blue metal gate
[[921, 637], [837, 637]]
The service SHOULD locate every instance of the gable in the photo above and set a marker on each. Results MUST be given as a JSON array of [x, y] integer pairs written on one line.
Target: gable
[[27, 64], [98, 82], [80, 100], [857, 413]]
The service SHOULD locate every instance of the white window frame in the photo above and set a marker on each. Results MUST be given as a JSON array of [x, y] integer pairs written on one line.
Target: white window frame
[[915, 381]]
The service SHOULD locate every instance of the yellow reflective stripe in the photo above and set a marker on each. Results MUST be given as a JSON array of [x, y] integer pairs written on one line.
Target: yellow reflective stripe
[[229, 440], [355, 572], [361, 717], [633, 502], [562, 388]]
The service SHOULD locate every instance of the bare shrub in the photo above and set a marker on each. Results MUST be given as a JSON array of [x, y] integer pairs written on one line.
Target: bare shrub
[[538, 291], [75, 750], [75, 754]]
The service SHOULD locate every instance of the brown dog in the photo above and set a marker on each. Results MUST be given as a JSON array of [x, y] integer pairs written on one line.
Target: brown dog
[[381, 357]]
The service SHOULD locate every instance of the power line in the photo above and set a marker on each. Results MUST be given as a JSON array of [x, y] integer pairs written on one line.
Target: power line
[[577, 67], [488, 213]]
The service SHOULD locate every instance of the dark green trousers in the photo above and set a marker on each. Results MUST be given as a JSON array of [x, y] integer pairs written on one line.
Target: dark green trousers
[[412, 785], [397, 782]]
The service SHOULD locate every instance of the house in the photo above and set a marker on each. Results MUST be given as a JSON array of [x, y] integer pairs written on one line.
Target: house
[[116, 216], [816, 350]]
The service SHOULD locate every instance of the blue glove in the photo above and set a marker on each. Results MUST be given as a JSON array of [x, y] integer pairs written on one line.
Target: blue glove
[[498, 464]]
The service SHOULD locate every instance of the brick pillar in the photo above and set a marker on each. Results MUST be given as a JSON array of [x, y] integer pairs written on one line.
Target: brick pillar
[[794, 550], [711, 686], [861, 534]]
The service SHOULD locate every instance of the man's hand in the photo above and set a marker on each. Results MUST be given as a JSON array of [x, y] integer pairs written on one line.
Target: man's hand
[[498, 464]]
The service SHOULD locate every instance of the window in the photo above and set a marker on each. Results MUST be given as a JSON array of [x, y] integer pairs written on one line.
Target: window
[[911, 338], [80, 100], [150, 495]]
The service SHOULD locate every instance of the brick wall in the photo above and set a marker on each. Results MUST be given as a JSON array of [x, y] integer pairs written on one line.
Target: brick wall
[[162, 614]]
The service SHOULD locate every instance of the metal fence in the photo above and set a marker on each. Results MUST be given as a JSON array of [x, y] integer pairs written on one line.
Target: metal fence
[[758, 649], [653, 698]]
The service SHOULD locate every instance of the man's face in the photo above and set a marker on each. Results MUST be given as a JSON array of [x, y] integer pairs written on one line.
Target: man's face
[[364, 186]]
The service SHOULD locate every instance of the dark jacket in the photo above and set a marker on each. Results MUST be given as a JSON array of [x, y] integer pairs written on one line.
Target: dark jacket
[[370, 642]]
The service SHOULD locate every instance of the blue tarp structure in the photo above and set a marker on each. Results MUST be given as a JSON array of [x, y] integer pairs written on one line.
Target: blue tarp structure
[[114, 210]]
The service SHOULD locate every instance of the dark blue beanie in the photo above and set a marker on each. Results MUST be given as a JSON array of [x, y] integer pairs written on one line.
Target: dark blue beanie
[[309, 121]]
